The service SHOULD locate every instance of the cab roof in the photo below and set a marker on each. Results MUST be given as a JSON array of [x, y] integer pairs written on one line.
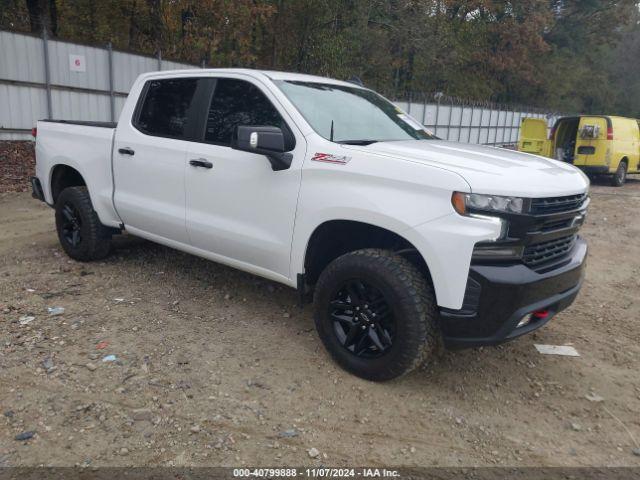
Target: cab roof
[[270, 74]]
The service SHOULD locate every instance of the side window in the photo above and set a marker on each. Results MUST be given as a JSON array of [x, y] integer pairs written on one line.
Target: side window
[[236, 102], [165, 108]]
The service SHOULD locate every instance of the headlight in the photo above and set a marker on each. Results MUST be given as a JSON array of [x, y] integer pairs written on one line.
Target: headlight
[[463, 203]]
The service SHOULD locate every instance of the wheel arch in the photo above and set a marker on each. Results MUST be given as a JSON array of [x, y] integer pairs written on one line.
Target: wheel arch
[[334, 238], [63, 176]]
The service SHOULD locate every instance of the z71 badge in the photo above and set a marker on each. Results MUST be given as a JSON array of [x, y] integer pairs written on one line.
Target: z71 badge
[[328, 158]]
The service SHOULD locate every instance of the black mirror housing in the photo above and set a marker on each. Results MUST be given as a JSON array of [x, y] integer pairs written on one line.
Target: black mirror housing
[[263, 140]]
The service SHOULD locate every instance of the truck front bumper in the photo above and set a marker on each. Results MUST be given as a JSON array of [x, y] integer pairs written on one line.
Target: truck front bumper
[[511, 300]]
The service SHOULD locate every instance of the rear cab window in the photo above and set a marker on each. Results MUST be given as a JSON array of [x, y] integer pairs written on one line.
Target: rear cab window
[[167, 108]]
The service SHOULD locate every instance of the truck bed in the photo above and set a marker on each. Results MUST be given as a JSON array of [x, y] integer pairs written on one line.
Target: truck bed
[[87, 148]]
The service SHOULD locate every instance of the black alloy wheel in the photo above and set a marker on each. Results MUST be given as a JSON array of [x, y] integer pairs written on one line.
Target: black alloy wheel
[[376, 314], [80, 232], [363, 321], [71, 225]]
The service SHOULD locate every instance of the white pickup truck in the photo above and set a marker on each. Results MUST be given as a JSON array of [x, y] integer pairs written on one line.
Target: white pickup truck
[[406, 242]]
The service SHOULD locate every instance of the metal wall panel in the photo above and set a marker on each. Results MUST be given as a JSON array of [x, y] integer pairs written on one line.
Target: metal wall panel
[[127, 67], [21, 57], [21, 106], [22, 60], [96, 75], [472, 123], [403, 105], [119, 105], [80, 106], [15, 136], [167, 65]]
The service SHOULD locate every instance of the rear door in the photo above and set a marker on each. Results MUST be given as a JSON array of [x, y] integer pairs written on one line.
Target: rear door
[[625, 142], [534, 138], [591, 142], [149, 157], [239, 209]]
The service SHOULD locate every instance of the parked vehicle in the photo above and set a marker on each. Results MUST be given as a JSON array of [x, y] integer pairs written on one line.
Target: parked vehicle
[[598, 145], [404, 240]]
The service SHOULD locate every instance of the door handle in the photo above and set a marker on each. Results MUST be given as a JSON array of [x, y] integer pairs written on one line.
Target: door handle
[[200, 162], [126, 151]]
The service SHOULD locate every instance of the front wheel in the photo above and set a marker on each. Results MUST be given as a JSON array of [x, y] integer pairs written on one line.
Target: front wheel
[[80, 232], [376, 314], [620, 176]]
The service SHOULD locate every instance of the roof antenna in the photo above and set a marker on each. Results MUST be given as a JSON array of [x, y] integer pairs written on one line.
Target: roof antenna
[[331, 133]]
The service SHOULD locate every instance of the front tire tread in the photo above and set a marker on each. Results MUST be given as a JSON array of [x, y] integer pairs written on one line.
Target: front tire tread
[[415, 295]]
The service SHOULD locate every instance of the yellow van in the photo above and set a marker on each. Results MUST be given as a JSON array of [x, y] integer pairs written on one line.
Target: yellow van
[[598, 145]]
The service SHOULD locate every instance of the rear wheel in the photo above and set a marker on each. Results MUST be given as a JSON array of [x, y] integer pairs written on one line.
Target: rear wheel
[[80, 232], [376, 314], [620, 176]]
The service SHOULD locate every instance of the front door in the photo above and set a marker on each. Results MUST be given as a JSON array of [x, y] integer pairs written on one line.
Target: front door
[[239, 209]]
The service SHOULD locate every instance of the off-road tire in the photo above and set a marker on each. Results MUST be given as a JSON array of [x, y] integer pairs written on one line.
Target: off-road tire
[[620, 176], [406, 291], [94, 238]]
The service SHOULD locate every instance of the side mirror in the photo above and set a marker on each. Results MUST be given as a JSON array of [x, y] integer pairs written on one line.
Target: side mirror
[[267, 141]]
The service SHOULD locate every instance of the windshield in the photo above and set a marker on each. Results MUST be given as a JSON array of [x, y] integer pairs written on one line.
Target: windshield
[[351, 115]]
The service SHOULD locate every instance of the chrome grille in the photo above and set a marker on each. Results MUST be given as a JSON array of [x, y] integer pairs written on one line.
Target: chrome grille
[[542, 206], [542, 253]]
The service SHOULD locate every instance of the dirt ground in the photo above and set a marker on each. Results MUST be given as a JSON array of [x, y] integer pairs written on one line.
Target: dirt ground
[[17, 164], [218, 367]]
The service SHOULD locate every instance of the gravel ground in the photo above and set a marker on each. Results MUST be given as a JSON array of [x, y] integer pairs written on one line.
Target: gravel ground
[[212, 366]]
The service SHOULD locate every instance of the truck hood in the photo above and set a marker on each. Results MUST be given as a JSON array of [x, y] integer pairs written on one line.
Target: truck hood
[[493, 170]]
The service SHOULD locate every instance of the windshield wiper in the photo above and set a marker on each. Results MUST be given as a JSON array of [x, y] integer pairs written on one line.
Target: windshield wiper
[[357, 142]]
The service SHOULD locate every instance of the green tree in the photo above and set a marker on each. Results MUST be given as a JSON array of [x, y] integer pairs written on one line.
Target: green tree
[[570, 55]]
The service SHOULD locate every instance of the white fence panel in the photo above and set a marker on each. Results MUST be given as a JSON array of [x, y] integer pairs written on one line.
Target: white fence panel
[[79, 88], [127, 67], [80, 106], [169, 65], [21, 106], [21, 58], [79, 84], [91, 70], [473, 122], [119, 105]]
